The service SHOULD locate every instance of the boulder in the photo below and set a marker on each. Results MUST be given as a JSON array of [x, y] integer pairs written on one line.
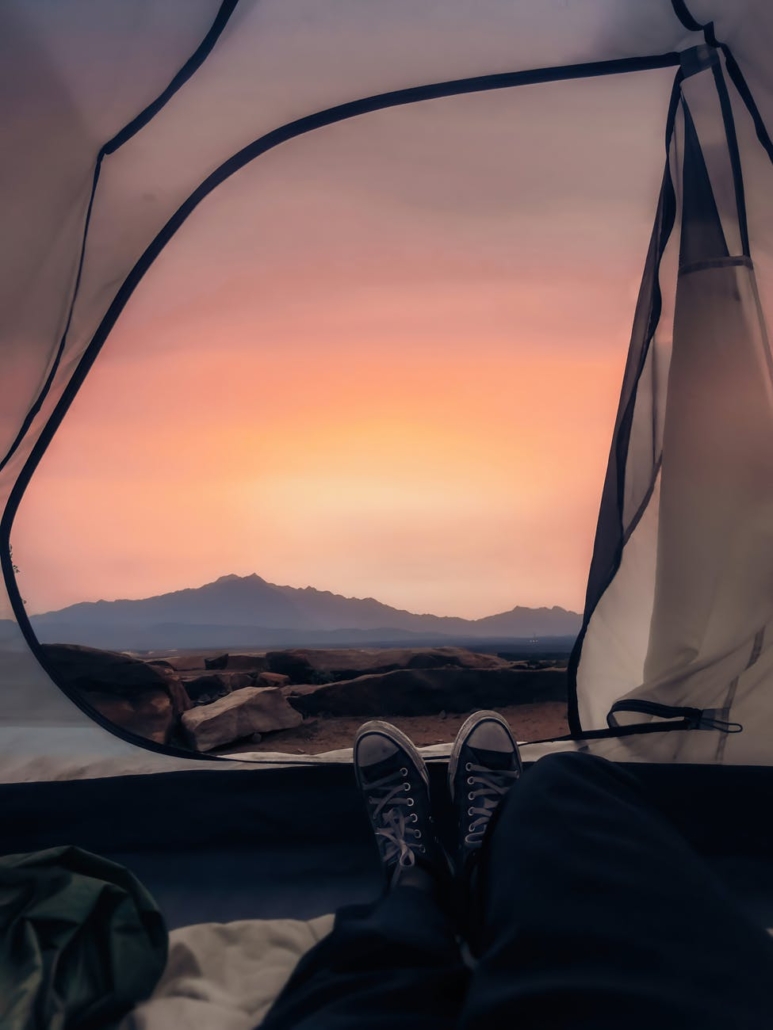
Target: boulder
[[453, 658], [203, 689], [306, 665], [293, 664], [184, 662], [246, 663], [241, 714], [428, 691], [237, 662], [139, 697], [181, 702], [271, 679]]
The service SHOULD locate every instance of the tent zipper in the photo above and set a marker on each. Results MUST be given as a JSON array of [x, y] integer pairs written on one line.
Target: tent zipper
[[695, 718]]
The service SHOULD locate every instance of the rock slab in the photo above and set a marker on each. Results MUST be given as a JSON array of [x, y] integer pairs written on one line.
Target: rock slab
[[134, 695], [271, 679], [213, 685], [182, 662], [241, 714], [237, 662], [309, 665], [428, 691]]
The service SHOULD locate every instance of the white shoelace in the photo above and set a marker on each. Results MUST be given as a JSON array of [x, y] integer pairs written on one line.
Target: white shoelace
[[491, 786], [389, 811]]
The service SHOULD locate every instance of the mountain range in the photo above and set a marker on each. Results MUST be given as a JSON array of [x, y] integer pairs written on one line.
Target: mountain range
[[248, 612]]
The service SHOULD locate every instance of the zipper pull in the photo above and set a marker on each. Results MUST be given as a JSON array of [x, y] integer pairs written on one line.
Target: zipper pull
[[707, 721]]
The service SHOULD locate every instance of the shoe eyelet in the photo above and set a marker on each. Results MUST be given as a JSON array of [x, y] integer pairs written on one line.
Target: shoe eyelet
[[471, 796], [470, 780], [409, 802], [406, 786], [468, 767], [403, 772], [470, 811], [417, 834], [414, 818], [422, 849]]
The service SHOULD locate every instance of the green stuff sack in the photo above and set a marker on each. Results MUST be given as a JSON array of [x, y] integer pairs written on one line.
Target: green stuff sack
[[81, 941]]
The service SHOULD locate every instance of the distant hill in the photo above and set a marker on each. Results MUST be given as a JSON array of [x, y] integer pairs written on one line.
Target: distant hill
[[247, 611]]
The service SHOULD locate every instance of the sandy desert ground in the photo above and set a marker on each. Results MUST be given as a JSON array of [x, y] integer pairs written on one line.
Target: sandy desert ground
[[317, 735]]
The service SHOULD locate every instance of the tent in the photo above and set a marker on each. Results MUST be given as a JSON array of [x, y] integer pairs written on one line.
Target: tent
[[114, 137]]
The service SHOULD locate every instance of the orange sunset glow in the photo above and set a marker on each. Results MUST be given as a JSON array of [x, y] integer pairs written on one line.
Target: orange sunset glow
[[384, 362]]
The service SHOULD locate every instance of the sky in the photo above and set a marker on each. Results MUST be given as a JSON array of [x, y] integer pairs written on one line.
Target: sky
[[383, 360]]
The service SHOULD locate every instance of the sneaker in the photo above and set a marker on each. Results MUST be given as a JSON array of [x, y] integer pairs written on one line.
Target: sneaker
[[484, 764], [393, 779]]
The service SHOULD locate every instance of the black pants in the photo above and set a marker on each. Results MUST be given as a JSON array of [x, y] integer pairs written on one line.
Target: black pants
[[594, 913]]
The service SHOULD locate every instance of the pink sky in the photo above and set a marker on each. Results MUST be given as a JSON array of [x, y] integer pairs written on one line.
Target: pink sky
[[384, 361]]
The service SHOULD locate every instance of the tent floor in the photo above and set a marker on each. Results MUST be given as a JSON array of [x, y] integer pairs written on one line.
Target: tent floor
[[222, 886], [281, 883], [216, 845]]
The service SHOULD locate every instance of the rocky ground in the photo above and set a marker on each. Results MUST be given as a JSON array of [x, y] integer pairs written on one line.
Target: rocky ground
[[306, 701], [540, 721]]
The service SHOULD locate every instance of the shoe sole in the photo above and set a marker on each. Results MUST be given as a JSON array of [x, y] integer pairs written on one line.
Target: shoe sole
[[461, 739], [386, 729]]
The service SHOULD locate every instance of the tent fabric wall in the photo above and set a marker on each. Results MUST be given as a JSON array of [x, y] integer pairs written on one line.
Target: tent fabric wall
[[699, 546], [114, 119]]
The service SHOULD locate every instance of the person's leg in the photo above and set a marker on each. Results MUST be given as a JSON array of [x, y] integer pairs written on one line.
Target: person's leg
[[597, 914], [395, 963]]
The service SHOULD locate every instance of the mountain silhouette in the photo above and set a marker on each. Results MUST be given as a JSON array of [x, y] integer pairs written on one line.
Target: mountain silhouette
[[248, 611]]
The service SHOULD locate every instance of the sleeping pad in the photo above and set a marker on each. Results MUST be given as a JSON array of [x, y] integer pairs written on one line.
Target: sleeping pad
[[81, 941]]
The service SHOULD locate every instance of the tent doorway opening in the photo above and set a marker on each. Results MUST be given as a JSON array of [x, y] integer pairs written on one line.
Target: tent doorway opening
[[342, 454]]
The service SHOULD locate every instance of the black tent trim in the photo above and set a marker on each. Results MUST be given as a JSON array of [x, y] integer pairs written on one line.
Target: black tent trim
[[684, 16], [291, 130], [44, 390], [192, 65], [735, 155], [733, 70], [736, 75], [631, 528], [599, 579]]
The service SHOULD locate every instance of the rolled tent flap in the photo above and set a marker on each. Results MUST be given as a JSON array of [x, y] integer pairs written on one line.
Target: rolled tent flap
[[702, 548]]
